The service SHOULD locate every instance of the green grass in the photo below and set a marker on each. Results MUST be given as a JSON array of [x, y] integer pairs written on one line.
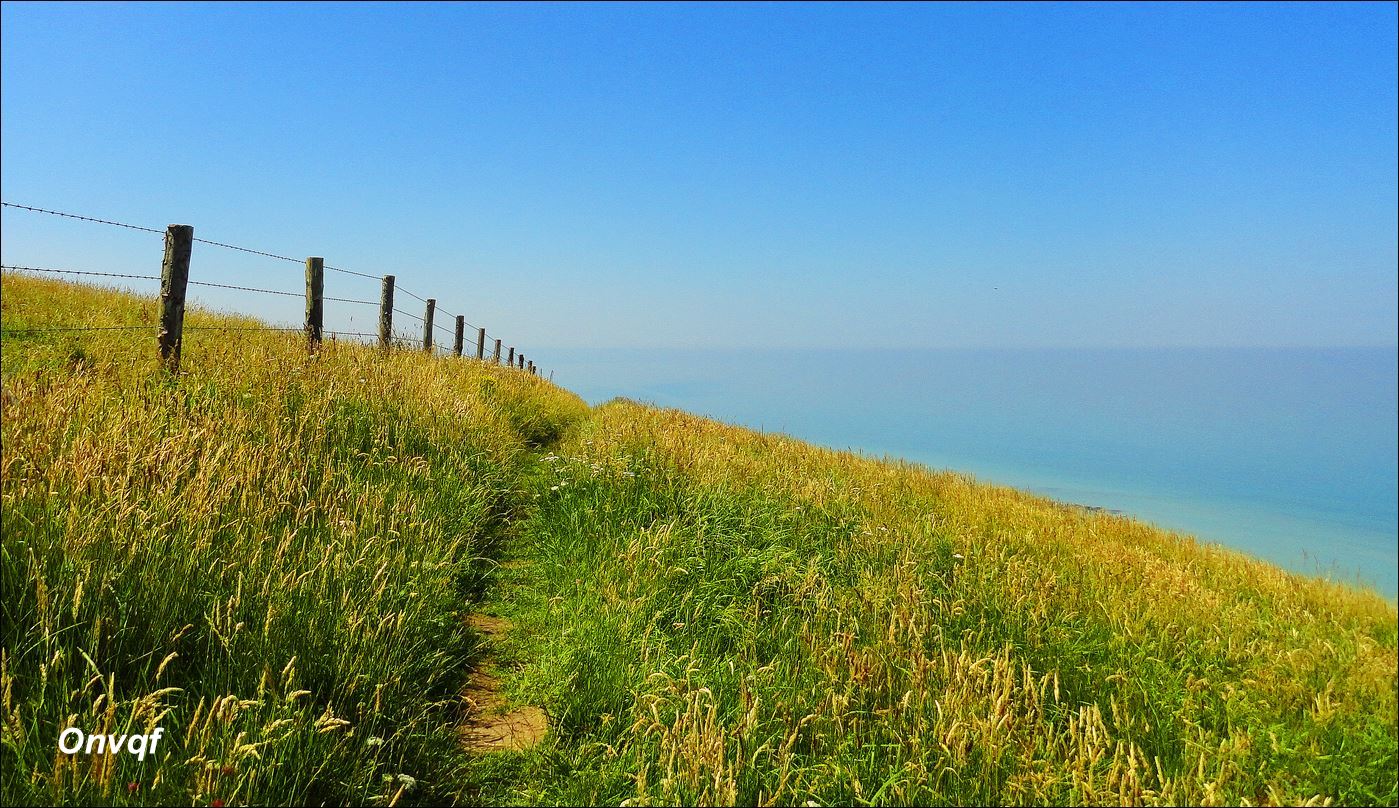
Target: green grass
[[717, 616], [271, 557]]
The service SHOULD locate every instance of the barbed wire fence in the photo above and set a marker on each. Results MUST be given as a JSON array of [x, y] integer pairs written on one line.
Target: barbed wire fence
[[475, 343]]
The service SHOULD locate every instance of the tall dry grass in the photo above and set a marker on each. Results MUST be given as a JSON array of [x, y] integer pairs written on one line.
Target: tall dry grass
[[269, 557], [726, 617]]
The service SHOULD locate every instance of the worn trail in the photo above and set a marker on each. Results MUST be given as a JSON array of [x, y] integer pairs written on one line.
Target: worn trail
[[494, 725]]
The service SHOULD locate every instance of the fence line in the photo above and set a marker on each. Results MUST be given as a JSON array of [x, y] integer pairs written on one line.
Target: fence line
[[174, 279]]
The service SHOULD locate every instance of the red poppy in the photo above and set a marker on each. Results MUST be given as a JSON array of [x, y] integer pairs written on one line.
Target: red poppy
[[131, 787], [216, 803]]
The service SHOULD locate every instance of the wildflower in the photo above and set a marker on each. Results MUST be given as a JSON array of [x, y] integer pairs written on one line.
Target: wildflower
[[132, 788], [216, 803], [228, 771], [374, 741], [958, 556]]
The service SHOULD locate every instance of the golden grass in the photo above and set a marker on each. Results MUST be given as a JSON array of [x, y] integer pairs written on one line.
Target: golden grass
[[268, 556], [847, 629]]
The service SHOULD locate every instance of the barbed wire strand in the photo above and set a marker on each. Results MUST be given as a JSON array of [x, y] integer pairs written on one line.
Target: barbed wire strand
[[248, 250], [81, 272], [352, 272], [147, 230], [464, 321], [246, 288], [83, 218], [78, 328], [243, 328]]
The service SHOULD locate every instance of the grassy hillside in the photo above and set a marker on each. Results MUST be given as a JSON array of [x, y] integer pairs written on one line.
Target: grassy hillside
[[272, 557], [719, 616]]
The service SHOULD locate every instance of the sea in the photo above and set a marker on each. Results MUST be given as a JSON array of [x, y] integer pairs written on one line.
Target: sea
[[1288, 454]]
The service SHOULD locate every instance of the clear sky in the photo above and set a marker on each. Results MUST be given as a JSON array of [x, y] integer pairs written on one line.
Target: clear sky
[[736, 175]]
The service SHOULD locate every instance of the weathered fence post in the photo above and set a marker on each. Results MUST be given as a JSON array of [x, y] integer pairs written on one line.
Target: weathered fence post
[[522, 362], [480, 343], [461, 332], [496, 357], [174, 274], [315, 310], [531, 367], [510, 360], [427, 323], [386, 313]]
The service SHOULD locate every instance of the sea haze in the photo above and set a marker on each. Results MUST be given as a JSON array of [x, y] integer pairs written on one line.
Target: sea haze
[[1287, 454]]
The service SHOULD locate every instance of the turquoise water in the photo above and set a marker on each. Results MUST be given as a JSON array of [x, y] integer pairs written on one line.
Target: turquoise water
[[1287, 454]]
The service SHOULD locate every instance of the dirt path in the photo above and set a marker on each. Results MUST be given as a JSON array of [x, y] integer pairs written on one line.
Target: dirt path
[[493, 725]]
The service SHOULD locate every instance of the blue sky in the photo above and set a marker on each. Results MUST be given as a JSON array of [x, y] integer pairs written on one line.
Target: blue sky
[[736, 175]]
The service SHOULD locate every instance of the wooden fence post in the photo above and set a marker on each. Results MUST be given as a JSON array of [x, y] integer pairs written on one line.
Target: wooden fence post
[[531, 367], [174, 275], [386, 313], [522, 362], [315, 309], [510, 361], [461, 332], [496, 357], [427, 323], [480, 343]]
